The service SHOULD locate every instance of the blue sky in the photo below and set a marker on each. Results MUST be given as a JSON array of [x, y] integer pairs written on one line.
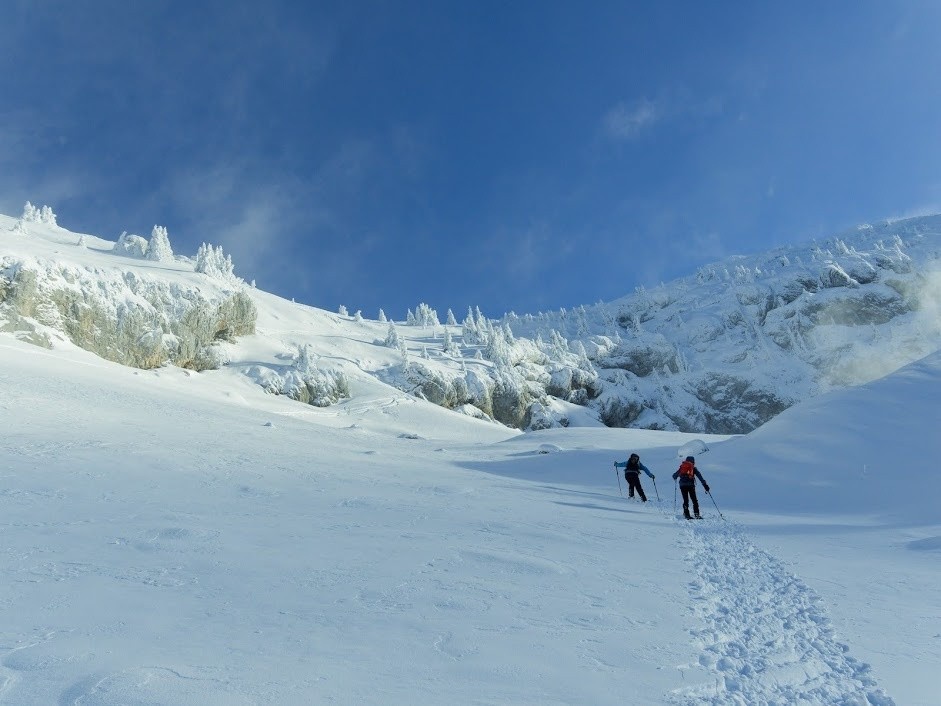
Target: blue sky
[[518, 156]]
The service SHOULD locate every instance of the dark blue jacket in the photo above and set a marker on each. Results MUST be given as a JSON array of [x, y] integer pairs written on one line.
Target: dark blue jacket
[[640, 467]]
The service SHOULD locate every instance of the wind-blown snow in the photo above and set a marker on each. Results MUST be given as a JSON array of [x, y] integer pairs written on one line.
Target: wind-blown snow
[[179, 538]]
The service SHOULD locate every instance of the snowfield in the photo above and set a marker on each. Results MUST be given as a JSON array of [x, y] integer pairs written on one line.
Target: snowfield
[[172, 537], [166, 541]]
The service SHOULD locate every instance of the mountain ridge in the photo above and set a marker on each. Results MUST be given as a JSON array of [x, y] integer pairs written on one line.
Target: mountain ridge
[[722, 350]]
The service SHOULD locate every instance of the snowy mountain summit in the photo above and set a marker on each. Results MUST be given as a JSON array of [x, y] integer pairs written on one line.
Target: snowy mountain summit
[[722, 351]]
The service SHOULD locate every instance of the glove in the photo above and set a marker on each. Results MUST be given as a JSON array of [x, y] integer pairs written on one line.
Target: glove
[[653, 477], [706, 487]]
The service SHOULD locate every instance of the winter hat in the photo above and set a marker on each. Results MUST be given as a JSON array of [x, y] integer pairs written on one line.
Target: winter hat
[[691, 459]]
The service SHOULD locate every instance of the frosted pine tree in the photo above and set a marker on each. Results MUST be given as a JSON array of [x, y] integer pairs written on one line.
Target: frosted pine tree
[[382, 317], [469, 329], [159, 249], [31, 214], [449, 346], [426, 316], [392, 337], [451, 320], [304, 360]]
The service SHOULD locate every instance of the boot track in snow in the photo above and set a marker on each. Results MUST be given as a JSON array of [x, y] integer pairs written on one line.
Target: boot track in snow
[[766, 638]]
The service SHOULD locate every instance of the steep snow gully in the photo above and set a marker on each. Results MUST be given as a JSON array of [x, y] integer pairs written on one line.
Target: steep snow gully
[[765, 635]]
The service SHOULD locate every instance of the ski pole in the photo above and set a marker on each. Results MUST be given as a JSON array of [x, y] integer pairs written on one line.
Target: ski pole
[[655, 488], [618, 476], [714, 503], [674, 496]]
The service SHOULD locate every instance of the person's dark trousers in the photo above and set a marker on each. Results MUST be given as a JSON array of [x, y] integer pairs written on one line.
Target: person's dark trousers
[[633, 482], [689, 493]]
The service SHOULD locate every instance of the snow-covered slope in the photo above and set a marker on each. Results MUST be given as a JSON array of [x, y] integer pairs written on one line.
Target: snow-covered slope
[[743, 339], [174, 538]]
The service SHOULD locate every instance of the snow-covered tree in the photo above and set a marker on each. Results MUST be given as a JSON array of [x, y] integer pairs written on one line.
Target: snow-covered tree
[[425, 316], [159, 249], [304, 359], [214, 263], [469, 329], [31, 214], [451, 320], [508, 333], [382, 317], [392, 337], [498, 350], [342, 311], [449, 346], [358, 316]]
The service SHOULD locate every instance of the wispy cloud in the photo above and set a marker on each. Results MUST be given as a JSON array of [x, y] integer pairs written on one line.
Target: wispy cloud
[[627, 121]]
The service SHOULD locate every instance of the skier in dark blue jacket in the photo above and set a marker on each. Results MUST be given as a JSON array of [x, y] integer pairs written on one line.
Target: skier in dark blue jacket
[[688, 473], [632, 468]]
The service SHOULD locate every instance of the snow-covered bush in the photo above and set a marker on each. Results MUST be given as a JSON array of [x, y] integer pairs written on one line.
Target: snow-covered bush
[[311, 385], [131, 245], [125, 317], [319, 388]]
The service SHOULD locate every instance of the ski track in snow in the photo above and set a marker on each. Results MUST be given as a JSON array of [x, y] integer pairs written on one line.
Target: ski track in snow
[[766, 638]]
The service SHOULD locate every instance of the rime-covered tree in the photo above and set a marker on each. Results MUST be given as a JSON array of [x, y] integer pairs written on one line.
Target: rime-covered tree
[[392, 337], [448, 345], [159, 249], [498, 349], [31, 214], [451, 320], [342, 311], [469, 329], [214, 263], [382, 317], [304, 360], [426, 316], [508, 333]]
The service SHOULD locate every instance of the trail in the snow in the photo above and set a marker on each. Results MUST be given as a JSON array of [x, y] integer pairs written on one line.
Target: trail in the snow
[[766, 638]]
